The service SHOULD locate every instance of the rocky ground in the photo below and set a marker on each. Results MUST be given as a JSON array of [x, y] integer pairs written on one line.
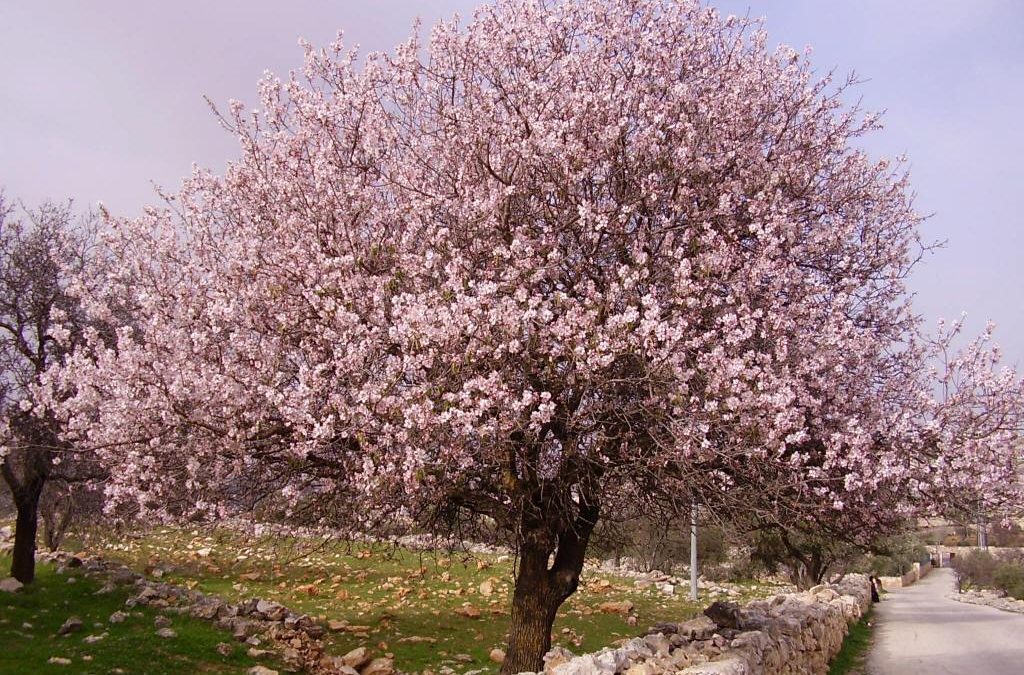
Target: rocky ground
[[990, 598]]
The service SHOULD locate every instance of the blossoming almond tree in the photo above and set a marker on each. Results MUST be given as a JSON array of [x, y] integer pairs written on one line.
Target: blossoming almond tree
[[42, 253], [948, 444], [568, 261]]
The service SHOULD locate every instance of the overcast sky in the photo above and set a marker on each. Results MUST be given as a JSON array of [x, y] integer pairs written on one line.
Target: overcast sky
[[100, 100]]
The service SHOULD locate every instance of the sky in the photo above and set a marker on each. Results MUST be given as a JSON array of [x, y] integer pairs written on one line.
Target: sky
[[101, 101]]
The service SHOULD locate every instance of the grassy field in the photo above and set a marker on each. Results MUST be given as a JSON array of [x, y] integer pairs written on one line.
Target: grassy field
[[433, 612], [851, 657], [30, 619]]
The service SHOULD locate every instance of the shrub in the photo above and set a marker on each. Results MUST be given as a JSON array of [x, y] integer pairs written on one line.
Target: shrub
[[664, 545], [1009, 578], [975, 568]]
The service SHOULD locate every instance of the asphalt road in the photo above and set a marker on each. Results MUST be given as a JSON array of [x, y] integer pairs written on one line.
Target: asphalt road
[[920, 630]]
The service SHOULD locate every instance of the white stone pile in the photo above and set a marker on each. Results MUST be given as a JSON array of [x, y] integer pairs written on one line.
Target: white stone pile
[[416, 542], [990, 598], [675, 584], [789, 633]]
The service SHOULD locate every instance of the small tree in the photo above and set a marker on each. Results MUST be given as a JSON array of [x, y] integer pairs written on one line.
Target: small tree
[[577, 259]]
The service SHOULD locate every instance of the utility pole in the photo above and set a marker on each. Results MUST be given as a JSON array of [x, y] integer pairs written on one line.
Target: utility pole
[[693, 551]]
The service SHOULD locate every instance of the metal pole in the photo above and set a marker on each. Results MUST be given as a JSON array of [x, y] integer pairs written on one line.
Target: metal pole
[[693, 552]]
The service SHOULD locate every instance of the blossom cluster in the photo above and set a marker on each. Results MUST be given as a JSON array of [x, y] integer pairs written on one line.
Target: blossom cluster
[[615, 250]]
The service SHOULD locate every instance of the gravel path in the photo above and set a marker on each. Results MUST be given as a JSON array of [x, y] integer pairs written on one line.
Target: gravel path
[[921, 630]]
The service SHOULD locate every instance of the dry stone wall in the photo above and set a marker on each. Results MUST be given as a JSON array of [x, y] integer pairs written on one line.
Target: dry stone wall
[[916, 573], [257, 623], [787, 634]]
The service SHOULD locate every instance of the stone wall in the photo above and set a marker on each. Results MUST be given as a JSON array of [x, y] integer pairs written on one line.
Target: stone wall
[[916, 573], [791, 633], [296, 638]]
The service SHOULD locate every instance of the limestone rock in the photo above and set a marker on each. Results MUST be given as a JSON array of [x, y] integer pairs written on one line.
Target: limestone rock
[[10, 585], [70, 626], [700, 628], [724, 614], [261, 670], [497, 655], [273, 611], [205, 610], [622, 608], [658, 643], [584, 665], [722, 667], [555, 657], [641, 669], [613, 661], [752, 619], [379, 666], [357, 658]]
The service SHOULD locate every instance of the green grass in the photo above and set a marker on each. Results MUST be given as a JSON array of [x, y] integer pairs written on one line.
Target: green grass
[[412, 605], [854, 651], [30, 618]]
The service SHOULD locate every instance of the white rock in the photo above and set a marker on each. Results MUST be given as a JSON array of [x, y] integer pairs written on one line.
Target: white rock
[[723, 667], [357, 658], [72, 624], [11, 585], [261, 670], [581, 665], [379, 666]]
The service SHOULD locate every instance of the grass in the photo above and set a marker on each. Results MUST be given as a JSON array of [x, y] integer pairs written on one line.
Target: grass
[[854, 651], [430, 611], [30, 619]]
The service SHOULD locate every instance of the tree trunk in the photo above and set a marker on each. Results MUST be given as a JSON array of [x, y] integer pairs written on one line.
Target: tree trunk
[[23, 562], [55, 510], [534, 606], [541, 590]]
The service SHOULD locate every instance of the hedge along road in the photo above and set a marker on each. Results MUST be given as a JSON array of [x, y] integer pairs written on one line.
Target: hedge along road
[[922, 630]]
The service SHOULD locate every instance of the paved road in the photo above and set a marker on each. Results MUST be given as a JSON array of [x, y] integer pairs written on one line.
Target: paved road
[[920, 630]]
